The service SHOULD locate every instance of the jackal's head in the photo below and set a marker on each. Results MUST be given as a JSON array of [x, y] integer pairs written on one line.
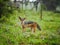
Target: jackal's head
[[22, 19]]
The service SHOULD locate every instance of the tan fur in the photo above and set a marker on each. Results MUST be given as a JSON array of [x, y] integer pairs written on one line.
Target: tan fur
[[33, 26]]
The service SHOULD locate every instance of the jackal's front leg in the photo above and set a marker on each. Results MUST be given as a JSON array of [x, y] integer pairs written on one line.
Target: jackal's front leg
[[23, 29]]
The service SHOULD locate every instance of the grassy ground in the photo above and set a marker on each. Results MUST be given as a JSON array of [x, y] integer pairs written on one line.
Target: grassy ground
[[11, 31]]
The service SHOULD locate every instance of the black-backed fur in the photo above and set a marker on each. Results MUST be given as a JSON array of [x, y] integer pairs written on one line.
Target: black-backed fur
[[28, 22]]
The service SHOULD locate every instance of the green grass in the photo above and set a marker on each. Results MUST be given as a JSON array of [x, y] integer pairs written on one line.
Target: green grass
[[11, 31]]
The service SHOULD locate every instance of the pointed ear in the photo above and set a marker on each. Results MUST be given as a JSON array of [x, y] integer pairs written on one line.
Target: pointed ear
[[19, 17]]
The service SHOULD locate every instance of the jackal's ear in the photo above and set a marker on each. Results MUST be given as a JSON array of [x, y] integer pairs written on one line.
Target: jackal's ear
[[19, 17]]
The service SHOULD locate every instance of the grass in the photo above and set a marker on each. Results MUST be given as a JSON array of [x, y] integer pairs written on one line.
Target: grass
[[11, 31]]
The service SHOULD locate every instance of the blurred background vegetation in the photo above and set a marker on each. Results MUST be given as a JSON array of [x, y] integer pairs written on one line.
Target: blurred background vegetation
[[34, 10]]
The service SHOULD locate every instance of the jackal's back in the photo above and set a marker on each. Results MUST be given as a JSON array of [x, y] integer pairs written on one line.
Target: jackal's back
[[28, 23]]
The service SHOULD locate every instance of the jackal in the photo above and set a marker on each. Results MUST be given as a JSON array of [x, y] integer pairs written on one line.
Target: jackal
[[31, 24]]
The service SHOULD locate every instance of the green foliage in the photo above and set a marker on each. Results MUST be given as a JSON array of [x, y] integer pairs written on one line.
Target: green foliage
[[51, 4], [6, 8], [11, 31]]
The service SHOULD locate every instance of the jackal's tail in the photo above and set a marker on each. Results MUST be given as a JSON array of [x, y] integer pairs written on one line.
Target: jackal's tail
[[38, 27]]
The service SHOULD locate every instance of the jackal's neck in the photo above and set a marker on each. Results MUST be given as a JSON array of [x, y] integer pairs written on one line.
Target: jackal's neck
[[23, 22]]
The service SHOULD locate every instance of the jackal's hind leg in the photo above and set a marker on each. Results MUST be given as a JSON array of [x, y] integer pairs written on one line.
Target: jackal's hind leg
[[34, 29], [31, 29]]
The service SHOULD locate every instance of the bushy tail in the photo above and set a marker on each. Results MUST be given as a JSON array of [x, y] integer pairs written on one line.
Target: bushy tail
[[38, 27]]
